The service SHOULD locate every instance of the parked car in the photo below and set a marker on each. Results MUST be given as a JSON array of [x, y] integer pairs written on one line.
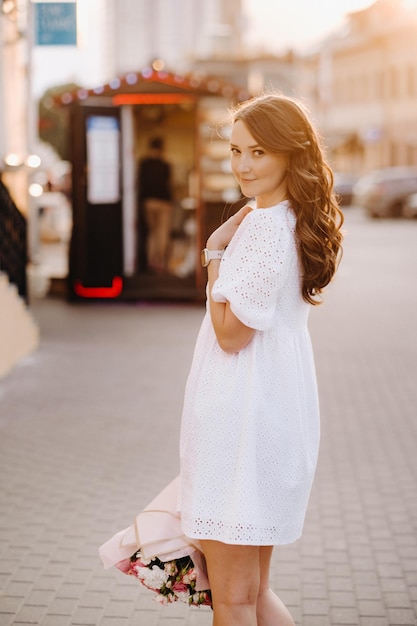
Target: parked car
[[343, 186], [410, 206], [382, 193]]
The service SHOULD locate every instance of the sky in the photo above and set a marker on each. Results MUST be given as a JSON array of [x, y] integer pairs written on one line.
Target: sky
[[276, 25]]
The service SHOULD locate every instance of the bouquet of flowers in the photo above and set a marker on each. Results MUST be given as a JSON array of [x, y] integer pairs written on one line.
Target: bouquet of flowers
[[155, 551], [171, 580]]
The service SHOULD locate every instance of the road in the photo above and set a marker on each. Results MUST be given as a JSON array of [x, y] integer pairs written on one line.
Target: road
[[89, 431]]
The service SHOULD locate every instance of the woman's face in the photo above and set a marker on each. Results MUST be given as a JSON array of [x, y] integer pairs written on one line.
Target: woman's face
[[260, 174]]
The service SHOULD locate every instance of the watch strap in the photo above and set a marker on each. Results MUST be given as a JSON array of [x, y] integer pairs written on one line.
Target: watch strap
[[214, 254], [211, 255]]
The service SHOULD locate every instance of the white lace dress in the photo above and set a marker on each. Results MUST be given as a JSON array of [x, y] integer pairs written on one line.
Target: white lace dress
[[250, 425]]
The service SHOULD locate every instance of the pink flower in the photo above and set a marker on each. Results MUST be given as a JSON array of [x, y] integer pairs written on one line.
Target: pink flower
[[189, 576], [124, 566], [179, 587]]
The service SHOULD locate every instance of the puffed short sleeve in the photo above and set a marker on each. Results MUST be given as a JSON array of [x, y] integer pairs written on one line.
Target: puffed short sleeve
[[255, 266]]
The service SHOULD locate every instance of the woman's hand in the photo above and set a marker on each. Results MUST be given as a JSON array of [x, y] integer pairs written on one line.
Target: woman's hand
[[221, 237], [232, 335]]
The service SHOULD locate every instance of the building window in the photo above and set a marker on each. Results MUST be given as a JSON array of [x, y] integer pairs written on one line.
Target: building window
[[380, 85], [411, 80], [394, 153], [394, 90], [411, 154]]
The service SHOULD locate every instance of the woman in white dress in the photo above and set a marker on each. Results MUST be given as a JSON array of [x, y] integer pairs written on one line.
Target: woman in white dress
[[250, 425]]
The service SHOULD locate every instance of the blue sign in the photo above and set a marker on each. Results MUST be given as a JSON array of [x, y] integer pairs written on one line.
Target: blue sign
[[55, 23]]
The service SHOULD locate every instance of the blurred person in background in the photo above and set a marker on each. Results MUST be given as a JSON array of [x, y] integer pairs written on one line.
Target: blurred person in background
[[155, 206]]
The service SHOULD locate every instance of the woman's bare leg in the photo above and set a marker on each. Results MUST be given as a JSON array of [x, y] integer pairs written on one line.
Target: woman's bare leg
[[270, 610], [234, 580]]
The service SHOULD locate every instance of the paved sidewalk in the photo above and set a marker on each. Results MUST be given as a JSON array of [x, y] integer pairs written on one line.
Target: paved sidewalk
[[89, 431]]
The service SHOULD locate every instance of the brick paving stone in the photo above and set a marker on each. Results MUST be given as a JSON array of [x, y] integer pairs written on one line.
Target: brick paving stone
[[290, 597], [394, 584], [118, 608], [409, 565], [16, 589], [199, 617], [368, 592], [145, 602], [339, 557], [344, 617], [338, 569], [402, 617], [115, 621], [6, 619], [314, 591], [7, 567], [151, 614], [72, 590], [56, 620], [30, 614], [411, 578], [63, 606], [94, 599], [371, 608], [316, 620], [86, 617], [124, 592], [398, 600], [40, 598], [46, 582], [318, 576], [296, 612], [99, 583], [369, 577], [76, 576], [25, 575], [342, 598], [363, 563], [341, 583], [315, 607], [390, 570], [283, 583], [374, 621], [10, 604]]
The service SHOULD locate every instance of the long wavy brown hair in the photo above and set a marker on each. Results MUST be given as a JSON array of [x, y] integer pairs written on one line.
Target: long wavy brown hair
[[281, 125]]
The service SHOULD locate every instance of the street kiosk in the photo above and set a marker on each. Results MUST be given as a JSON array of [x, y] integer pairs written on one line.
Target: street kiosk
[[110, 128]]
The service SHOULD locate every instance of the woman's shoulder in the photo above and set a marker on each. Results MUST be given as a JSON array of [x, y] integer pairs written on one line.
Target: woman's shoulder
[[279, 216]]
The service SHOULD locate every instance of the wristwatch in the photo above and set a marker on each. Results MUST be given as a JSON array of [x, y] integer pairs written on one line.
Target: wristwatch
[[209, 255]]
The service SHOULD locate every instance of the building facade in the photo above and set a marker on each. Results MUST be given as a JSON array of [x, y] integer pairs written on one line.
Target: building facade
[[172, 31], [365, 89]]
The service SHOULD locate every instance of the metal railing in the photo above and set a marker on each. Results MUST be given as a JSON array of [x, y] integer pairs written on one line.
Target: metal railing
[[13, 242]]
